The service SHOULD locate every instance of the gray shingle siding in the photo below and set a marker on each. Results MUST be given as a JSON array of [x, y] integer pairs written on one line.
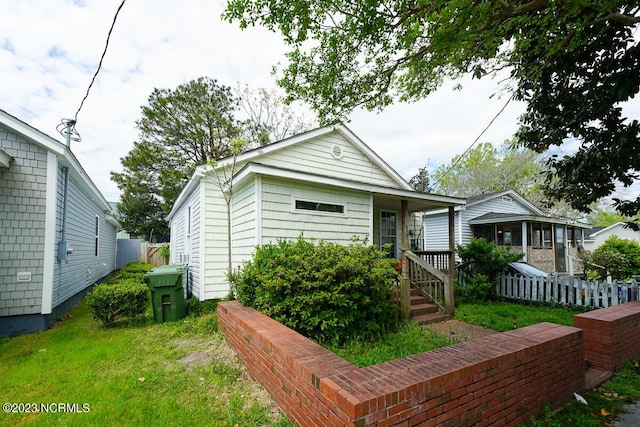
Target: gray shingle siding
[[22, 216]]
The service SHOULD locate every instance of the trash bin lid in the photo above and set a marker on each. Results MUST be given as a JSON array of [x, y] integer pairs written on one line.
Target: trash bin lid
[[165, 275]]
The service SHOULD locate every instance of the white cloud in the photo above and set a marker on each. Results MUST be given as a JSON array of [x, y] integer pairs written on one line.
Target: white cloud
[[164, 43]]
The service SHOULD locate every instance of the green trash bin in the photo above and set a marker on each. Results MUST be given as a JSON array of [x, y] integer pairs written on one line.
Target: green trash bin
[[167, 293]]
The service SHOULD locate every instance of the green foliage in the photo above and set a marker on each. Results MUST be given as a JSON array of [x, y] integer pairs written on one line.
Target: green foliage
[[420, 181], [477, 288], [485, 169], [198, 308], [505, 316], [574, 63], [486, 258], [327, 292], [126, 298], [409, 339], [197, 122], [620, 257], [165, 250]]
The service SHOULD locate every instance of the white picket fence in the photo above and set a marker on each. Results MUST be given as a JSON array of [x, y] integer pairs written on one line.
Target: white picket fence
[[567, 290]]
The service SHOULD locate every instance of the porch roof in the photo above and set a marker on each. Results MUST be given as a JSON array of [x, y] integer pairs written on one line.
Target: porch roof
[[500, 217], [383, 196]]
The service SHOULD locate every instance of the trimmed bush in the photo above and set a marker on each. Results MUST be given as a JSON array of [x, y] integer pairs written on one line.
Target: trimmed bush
[[110, 301], [327, 292]]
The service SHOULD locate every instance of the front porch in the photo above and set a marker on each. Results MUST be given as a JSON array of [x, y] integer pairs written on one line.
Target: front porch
[[431, 274]]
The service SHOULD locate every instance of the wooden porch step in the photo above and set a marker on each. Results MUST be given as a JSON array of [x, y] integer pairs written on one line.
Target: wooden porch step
[[426, 319], [418, 300]]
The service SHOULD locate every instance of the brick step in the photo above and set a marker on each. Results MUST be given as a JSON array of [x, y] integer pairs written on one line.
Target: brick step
[[426, 308], [417, 300], [426, 319]]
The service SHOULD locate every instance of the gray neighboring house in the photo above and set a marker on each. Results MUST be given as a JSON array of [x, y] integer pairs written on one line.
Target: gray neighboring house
[[52, 249], [508, 219], [598, 235]]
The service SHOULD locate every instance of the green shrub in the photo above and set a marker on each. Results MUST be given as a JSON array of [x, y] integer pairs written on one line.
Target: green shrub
[[620, 257], [109, 301], [478, 288], [198, 308], [327, 292], [486, 259]]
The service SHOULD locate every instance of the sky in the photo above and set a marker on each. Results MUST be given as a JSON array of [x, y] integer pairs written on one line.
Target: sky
[[50, 49]]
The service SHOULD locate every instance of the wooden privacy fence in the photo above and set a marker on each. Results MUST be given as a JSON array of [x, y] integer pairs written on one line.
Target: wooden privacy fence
[[150, 252], [567, 290]]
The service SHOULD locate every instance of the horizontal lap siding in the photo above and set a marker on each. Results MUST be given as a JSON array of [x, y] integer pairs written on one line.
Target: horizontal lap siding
[[83, 267], [437, 232], [279, 222], [244, 223], [181, 245], [22, 216], [315, 157], [214, 223]]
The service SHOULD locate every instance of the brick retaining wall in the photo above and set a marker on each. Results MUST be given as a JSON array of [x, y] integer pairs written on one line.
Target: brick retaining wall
[[611, 335], [501, 379]]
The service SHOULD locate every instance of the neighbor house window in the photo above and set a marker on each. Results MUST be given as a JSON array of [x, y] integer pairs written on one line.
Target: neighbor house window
[[488, 232], [509, 235], [310, 206], [540, 235], [97, 236]]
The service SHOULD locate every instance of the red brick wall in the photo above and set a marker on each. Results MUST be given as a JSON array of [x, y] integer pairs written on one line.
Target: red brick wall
[[501, 379], [611, 335]]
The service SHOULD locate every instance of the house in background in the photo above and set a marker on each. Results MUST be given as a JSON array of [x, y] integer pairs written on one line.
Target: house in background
[[598, 235], [57, 234], [324, 184], [508, 219]]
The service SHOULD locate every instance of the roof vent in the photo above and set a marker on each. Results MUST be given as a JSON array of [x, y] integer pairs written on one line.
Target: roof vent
[[336, 152]]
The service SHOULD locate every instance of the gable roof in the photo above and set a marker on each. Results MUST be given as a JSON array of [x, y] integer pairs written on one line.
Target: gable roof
[[248, 163], [595, 231], [64, 154], [482, 198], [255, 154]]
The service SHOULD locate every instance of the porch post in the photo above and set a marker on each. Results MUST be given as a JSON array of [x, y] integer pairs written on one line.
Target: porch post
[[449, 287], [405, 287]]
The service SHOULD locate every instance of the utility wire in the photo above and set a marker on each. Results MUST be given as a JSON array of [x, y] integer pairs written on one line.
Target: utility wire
[[101, 59], [475, 141]]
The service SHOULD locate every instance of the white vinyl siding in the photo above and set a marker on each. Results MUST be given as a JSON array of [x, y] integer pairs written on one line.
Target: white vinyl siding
[[315, 157], [436, 230], [82, 267], [186, 240], [279, 222]]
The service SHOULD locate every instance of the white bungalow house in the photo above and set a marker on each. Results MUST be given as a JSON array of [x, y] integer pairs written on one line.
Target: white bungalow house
[[508, 219], [57, 234], [324, 184], [598, 235]]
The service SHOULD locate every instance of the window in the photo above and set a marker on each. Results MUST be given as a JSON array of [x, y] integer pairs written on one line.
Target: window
[[388, 234], [540, 235], [485, 231], [97, 237], [509, 235], [324, 208]]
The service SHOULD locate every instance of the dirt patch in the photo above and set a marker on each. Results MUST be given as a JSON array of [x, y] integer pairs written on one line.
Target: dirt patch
[[460, 331]]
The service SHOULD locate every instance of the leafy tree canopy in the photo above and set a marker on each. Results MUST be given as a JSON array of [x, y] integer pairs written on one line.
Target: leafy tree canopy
[[485, 169], [196, 123], [572, 62], [420, 181]]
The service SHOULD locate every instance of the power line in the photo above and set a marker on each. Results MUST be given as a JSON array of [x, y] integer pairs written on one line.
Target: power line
[[475, 141], [104, 52]]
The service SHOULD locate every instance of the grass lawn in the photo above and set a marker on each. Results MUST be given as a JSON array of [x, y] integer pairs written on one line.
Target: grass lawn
[[504, 316], [137, 373]]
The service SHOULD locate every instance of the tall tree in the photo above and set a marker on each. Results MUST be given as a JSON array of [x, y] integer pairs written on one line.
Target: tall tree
[[420, 181], [485, 169], [268, 118], [198, 122], [572, 62]]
